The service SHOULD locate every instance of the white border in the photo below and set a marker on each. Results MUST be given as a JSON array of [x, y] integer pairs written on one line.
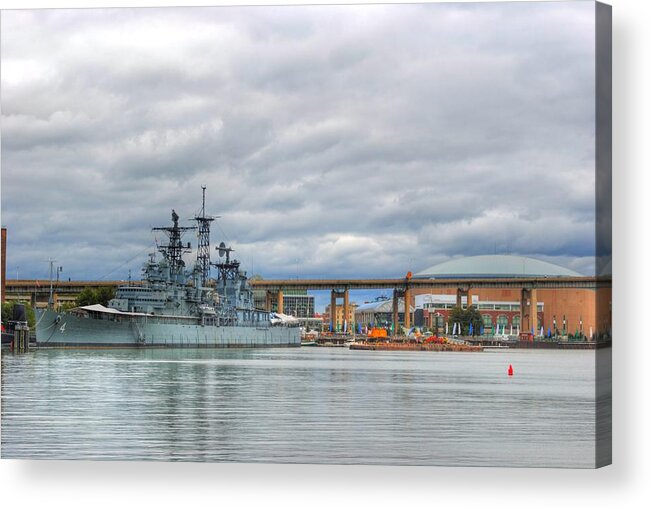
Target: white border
[[626, 483]]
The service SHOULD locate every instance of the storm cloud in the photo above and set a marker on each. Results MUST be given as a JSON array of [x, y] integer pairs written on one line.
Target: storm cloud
[[334, 141]]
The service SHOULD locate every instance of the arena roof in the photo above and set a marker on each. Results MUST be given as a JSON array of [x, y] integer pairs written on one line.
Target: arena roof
[[497, 266]]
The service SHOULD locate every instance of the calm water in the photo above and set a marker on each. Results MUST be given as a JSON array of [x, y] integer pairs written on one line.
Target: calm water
[[325, 405]]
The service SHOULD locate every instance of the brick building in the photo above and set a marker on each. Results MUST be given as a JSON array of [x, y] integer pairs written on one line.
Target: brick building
[[575, 308]]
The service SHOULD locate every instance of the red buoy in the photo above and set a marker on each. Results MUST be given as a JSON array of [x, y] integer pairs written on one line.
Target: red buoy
[[510, 371]]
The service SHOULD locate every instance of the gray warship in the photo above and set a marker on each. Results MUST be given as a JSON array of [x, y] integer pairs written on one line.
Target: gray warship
[[173, 306]]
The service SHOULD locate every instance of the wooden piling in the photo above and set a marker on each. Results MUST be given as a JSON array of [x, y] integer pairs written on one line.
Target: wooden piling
[[21, 338]]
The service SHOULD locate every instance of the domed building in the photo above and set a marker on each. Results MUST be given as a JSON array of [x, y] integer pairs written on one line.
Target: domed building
[[562, 310], [496, 266]]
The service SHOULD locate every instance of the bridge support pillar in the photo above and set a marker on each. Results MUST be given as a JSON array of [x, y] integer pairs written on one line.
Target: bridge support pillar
[[533, 310], [347, 322], [267, 301], [523, 307], [407, 308], [396, 307], [529, 310], [467, 292], [281, 302], [333, 310]]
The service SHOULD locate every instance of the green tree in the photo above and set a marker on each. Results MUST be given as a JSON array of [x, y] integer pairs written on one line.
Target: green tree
[[86, 297], [90, 296], [8, 312], [465, 317], [104, 294]]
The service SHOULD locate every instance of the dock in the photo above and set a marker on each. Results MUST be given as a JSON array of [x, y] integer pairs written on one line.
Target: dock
[[413, 346]]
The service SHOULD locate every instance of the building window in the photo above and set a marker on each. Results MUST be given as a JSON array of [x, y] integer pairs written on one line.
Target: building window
[[502, 320], [516, 321], [488, 321]]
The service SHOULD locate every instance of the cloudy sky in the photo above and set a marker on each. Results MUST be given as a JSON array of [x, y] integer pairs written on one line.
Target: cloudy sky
[[335, 141]]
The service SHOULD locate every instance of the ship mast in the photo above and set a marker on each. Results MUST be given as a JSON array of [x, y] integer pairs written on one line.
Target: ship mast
[[230, 269], [175, 249], [203, 240]]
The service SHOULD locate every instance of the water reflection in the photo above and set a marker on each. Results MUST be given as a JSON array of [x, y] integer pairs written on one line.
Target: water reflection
[[301, 405]]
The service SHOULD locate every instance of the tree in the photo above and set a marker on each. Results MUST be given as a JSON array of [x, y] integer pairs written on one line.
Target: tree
[[86, 297], [104, 294], [8, 313], [90, 296], [465, 317]]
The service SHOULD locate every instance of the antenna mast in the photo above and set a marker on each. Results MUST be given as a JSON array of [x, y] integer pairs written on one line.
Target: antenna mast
[[50, 302], [203, 240], [174, 251], [230, 269]]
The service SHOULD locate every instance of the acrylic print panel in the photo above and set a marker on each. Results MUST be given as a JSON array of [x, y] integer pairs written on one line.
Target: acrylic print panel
[[369, 234]]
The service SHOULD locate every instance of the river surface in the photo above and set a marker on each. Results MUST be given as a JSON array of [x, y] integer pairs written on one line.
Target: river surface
[[301, 405]]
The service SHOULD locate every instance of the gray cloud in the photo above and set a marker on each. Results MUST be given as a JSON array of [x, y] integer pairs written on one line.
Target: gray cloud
[[334, 140]]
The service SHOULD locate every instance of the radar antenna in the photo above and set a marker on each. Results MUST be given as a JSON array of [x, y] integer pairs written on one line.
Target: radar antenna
[[229, 269]]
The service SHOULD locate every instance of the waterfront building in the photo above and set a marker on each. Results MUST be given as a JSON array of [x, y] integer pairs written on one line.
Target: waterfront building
[[433, 310], [571, 309]]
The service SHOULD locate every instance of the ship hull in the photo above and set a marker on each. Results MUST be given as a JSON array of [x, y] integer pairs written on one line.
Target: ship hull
[[68, 330]]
